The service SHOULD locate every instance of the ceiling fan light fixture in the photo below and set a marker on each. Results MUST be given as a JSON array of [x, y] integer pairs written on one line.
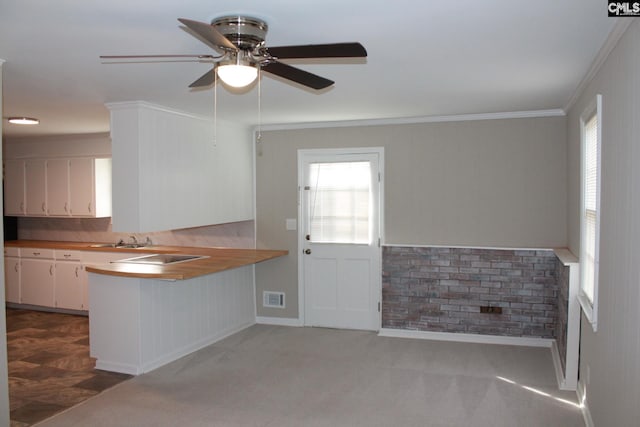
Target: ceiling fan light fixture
[[236, 75], [23, 120], [238, 71]]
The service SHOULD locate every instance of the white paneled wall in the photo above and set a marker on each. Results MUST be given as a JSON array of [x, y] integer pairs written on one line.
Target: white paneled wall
[[610, 357], [175, 170], [137, 325]]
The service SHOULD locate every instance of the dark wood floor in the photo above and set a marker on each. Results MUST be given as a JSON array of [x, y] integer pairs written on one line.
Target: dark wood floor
[[49, 365]]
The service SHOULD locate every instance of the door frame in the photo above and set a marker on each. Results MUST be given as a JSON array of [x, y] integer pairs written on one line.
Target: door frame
[[301, 235]]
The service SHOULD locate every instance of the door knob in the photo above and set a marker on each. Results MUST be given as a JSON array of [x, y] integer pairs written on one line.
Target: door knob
[[307, 251]]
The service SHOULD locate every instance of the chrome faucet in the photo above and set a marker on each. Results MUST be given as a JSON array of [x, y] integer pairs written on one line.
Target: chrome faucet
[[147, 241], [135, 241]]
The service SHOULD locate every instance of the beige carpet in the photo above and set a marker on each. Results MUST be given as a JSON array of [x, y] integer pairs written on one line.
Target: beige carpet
[[279, 376]]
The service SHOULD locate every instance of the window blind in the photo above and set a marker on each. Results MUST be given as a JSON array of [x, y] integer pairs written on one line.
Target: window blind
[[340, 202], [590, 205]]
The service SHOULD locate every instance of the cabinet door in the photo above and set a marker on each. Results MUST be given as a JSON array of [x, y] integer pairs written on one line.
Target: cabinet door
[[58, 187], [12, 279], [37, 285], [36, 187], [81, 187], [14, 201], [84, 284], [68, 288]]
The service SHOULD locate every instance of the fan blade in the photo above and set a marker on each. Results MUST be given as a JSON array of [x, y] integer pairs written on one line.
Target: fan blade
[[155, 56], [206, 79], [335, 50], [209, 33], [297, 75]]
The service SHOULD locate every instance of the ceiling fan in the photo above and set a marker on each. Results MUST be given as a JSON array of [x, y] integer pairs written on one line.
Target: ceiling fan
[[241, 39]]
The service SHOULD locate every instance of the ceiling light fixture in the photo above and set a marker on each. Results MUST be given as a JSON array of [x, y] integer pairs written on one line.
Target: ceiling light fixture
[[238, 71], [23, 120]]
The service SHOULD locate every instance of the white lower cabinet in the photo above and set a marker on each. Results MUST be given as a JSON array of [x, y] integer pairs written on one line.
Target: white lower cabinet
[[12, 275], [51, 278], [37, 277], [70, 283]]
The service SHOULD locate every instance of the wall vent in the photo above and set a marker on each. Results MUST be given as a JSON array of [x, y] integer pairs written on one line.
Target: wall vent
[[273, 299]]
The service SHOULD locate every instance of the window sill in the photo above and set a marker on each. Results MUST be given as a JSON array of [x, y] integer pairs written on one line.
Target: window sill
[[590, 311]]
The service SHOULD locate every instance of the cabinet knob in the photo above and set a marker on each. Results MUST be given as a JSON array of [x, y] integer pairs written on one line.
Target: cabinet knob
[[44, 207], [89, 207], [51, 270], [307, 251], [16, 267], [65, 207], [76, 271]]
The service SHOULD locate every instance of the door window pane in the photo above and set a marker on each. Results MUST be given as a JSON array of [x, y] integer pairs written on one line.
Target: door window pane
[[340, 202]]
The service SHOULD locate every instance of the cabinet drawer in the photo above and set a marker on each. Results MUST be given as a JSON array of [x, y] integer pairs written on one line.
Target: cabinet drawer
[[11, 251], [65, 255], [37, 253]]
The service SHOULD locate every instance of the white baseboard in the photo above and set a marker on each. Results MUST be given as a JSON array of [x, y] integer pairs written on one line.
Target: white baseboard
[[123, 368], [557, 366], [470, 338], [132, 369], [192, 347], [582, 400], [278, 321]]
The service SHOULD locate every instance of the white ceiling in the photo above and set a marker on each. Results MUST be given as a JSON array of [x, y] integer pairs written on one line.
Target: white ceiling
[[426, 58]]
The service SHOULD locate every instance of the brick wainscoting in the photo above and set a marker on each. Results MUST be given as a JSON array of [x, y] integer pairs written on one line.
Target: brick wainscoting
[[442, 290]]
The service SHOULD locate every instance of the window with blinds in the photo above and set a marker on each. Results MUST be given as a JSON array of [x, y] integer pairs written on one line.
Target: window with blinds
[[590, 216], [340, 202], [590, 210]]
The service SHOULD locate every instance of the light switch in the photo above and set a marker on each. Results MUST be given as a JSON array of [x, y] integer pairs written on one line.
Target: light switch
[[292, 224]]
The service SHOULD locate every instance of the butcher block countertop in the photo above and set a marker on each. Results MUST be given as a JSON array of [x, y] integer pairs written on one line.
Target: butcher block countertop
[[217, 259]]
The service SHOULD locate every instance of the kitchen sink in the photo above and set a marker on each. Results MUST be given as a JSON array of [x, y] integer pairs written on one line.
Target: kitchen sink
[[161, 259], [103, 245], [119, 245]]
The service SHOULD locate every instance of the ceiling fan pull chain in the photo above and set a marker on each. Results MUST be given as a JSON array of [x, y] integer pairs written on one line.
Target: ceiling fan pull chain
[[215, 109], [259, 137]]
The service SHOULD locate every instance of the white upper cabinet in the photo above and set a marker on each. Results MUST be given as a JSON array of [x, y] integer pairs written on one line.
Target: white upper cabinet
[[59, 187], [14, 186], [175, 170], [36, 187], [90, 187]]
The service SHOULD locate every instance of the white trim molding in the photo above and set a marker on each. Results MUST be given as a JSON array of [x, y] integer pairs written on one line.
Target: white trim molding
[[468, 338], [491, 248], [414, 120], [615, 35], [148, 105], [279, 321]]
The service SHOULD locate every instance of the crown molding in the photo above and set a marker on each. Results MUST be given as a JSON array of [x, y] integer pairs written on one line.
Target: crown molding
[[610, 43], [415, 120]]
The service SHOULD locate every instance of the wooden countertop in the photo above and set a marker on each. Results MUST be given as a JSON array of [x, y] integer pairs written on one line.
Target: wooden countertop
[[219, 259]]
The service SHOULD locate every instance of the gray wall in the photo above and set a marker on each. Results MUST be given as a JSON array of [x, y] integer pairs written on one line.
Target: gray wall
[[612, 355], [485, 183]]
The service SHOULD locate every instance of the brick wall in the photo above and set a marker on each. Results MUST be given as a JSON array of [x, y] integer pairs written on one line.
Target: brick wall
[[442, 290]]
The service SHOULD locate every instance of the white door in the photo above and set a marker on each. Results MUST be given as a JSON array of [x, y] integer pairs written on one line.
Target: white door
[[340, 237]]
